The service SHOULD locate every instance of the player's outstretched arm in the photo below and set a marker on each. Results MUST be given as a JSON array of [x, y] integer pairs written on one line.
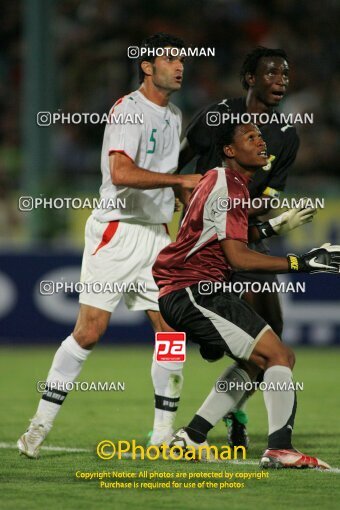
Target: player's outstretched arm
[[325, 259], [283, 223], [124, 172], [241, 258]]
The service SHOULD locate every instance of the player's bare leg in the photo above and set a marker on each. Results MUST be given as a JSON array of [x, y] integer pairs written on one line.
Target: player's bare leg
[[267, 305], [66, 366], [167, 380]]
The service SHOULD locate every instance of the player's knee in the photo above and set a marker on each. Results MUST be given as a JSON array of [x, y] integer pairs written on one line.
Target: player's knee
[[291, 357], [87, 334], [282, 356]]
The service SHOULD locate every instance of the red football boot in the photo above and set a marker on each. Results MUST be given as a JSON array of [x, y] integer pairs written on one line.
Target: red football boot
[[278, 459]]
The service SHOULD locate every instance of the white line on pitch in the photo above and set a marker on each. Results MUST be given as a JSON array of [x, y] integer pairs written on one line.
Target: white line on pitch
[[50, 448]]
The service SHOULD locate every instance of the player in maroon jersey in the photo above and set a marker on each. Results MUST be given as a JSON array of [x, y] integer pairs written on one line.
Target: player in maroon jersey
[[265, 78], [211, 243]]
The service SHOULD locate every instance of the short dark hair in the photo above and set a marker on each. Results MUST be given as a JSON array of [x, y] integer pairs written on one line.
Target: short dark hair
[[223, 136], [252, 59], [159, 40]]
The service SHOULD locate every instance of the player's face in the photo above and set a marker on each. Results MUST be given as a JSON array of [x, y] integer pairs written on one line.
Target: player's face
[[248, 147], [271, 80], [168, 72]]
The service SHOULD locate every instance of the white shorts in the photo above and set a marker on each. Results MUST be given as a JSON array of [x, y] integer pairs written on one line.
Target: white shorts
[[117, 262]]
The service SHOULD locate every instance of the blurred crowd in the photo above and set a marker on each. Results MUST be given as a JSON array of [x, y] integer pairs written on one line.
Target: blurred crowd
[[90, 41]]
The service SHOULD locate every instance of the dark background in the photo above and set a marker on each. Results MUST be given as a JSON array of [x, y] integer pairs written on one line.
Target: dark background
[[71, 55]]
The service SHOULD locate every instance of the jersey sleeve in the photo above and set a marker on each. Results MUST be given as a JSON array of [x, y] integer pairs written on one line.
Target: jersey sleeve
[[278, 177], [229, 222], [124, 137]]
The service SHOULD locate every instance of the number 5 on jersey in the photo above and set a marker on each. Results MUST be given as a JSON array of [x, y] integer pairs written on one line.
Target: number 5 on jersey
[[152, 142]]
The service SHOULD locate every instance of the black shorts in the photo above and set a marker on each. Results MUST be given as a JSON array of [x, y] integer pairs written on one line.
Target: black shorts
[[260, 247], [220, 320]]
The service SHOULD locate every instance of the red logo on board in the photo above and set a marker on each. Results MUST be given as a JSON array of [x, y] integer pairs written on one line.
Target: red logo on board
[[170, 346]]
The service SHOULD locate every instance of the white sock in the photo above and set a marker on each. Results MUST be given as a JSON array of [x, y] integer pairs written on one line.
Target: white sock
[[281, 407], [66, 366], [217, 404], [167, 381]]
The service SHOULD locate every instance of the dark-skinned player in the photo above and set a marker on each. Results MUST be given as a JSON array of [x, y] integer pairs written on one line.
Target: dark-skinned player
[[211, 243], [265, 78]]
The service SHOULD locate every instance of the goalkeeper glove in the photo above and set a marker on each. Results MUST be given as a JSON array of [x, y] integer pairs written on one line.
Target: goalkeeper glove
[[287, 221], [325, 259]]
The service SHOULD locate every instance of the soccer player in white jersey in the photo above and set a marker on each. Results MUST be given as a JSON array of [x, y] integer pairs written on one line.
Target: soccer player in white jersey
[[138, 163]]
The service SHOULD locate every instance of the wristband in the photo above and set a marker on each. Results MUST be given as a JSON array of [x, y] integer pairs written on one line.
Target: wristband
[[265, 229], [294, 263]]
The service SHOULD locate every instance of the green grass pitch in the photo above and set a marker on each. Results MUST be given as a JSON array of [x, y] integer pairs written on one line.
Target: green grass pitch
[[89, 417]]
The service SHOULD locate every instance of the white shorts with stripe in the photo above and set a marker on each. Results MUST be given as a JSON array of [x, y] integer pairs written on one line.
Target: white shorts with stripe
[[120, 255]]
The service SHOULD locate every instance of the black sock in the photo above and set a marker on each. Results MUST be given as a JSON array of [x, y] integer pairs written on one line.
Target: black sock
[[198, 429]]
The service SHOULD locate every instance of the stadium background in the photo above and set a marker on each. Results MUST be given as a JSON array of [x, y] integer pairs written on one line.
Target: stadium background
[[71, 56]]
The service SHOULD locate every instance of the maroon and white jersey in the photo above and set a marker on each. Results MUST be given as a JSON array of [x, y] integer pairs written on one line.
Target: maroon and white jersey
[[197, 254]]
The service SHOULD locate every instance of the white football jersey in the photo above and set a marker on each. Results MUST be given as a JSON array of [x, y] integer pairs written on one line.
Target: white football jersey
[[152, 144]]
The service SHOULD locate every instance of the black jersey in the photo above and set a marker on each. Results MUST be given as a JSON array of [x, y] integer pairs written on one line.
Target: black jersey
[[281, 139]]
